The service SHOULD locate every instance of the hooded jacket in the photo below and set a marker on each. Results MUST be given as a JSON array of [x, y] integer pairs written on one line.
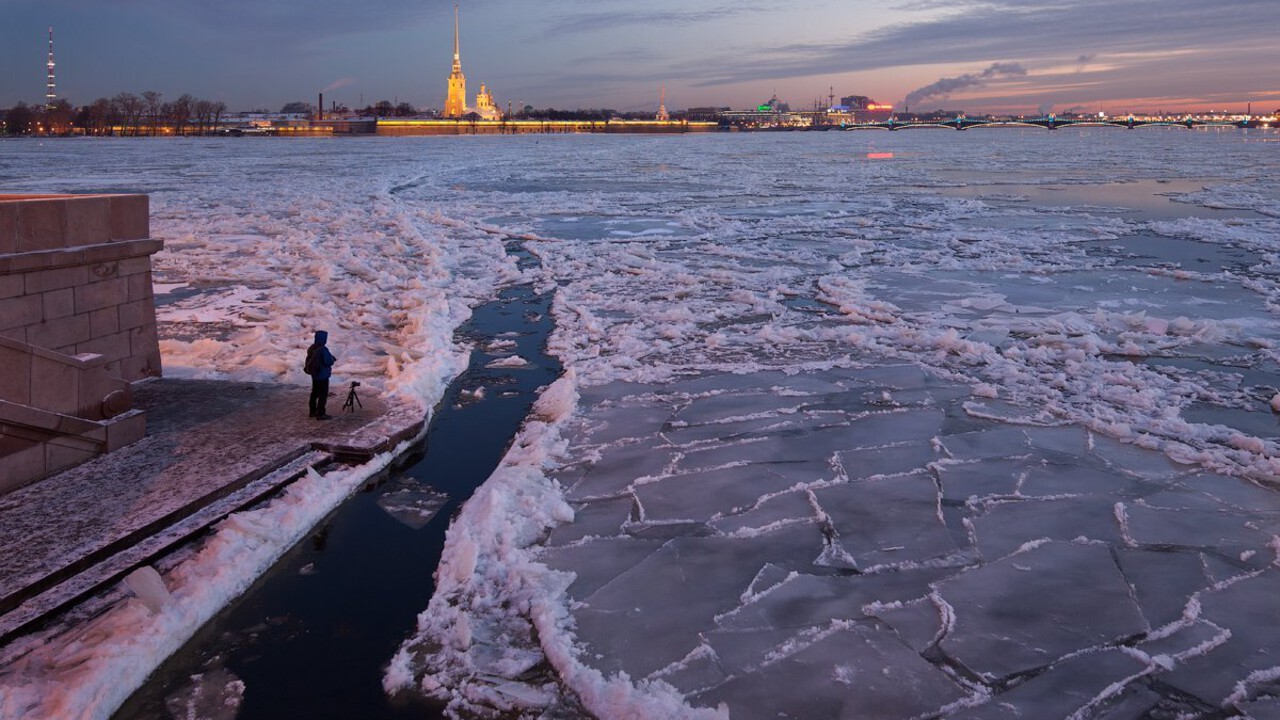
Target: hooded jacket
[[324, 368]]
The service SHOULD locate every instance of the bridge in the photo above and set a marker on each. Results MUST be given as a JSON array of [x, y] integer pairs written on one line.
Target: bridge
[[1051, 122]]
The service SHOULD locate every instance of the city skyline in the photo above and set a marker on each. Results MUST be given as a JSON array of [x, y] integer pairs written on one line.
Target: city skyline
[[975, 55]]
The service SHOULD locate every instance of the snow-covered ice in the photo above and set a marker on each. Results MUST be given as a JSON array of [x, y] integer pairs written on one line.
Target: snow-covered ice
[[984, 430]]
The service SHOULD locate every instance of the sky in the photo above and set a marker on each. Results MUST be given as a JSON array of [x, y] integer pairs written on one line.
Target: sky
[[1018, 56]]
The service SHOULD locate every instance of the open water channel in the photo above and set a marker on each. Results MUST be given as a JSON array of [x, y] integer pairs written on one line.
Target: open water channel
[[311, 637]]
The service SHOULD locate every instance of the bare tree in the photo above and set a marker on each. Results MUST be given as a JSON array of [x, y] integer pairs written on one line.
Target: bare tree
[[128, 109], [19, 119], [152, 108], [180, 113], [219, 108], [97, 118]]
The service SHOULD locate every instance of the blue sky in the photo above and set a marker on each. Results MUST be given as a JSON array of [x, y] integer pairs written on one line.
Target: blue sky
[[974, 55]]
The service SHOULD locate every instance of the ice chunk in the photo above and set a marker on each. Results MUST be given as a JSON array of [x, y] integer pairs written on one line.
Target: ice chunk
[[888, 460], [1139, 461], [917, 623], [862, 671], [1185, 640], [1007, 526], [619, 467], [901, 377], [628, 420], [815, 600], [1163, 581], [785, 508], [699, 671], [743, 429], [1192, 528], [1064, 690], [1079, 477], [213, 695], [1248, 609], [1029, 610], [598, 518], [651, 615], [595, 563], [1070, 440], [887, 520], [718, 408], [146, 584], [895, 427], [1267, 708], [729, 382], [741, 651], [413, 507], [511, 361], [592, 396], [793, 446], [704, 495], [999, 442], [1239, 492], [963, 480]]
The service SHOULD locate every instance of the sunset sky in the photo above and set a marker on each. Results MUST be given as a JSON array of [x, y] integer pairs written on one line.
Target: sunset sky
[[973, 55]]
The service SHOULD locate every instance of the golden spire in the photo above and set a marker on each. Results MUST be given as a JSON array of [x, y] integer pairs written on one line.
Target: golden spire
[[457, 55], [455, 104]]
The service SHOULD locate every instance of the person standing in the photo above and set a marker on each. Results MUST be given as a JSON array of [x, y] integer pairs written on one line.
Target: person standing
[[319, 365]]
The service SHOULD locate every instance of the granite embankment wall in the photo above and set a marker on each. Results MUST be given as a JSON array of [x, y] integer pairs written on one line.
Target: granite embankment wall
[[77, 325]]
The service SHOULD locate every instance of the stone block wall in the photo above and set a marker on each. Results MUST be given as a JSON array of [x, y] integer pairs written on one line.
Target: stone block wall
[[75, 278], [77, 325]]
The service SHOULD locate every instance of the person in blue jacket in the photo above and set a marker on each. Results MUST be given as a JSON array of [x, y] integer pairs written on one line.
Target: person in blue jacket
[[319, 365]]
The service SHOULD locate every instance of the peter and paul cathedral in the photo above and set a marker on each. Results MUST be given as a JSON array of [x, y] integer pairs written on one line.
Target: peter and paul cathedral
[[455, 106]]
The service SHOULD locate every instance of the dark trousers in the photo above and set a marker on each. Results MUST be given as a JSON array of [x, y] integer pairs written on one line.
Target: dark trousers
[[319, 395]]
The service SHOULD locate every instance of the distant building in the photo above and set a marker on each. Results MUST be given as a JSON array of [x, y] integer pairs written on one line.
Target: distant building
[[770, 114], [855, 109], [705, 114], [485, 108], [773, 105], [455, 105]]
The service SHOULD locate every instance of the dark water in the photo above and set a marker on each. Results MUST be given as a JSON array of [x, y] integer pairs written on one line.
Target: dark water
[[311, 638]]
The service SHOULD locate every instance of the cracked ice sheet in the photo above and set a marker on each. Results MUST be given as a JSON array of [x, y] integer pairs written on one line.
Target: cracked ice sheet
[[1030, 609], [1246, 607], [1076, 684], [861, 670], [629, 621], [886, 521]]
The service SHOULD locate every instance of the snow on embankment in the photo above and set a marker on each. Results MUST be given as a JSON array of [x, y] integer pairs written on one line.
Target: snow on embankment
[[497, 612]]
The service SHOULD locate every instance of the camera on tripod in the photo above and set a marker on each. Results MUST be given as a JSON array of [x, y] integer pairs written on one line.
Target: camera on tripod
[[353, 400]]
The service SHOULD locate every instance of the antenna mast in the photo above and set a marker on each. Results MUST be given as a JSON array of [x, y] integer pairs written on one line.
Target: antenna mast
[[51, 88]]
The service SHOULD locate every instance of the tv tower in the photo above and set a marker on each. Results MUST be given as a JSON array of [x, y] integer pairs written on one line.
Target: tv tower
[[51, 87]]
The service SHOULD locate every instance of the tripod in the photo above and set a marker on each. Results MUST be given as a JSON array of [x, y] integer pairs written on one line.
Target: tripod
[[353, 399]]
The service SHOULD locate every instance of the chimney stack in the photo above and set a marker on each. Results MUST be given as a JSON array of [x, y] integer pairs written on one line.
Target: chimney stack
[[320, 108]]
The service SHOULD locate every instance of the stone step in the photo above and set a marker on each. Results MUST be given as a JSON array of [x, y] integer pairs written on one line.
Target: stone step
[[39, 601]]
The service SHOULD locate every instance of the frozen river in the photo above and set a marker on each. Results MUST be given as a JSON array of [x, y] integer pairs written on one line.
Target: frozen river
[[891, 425]]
